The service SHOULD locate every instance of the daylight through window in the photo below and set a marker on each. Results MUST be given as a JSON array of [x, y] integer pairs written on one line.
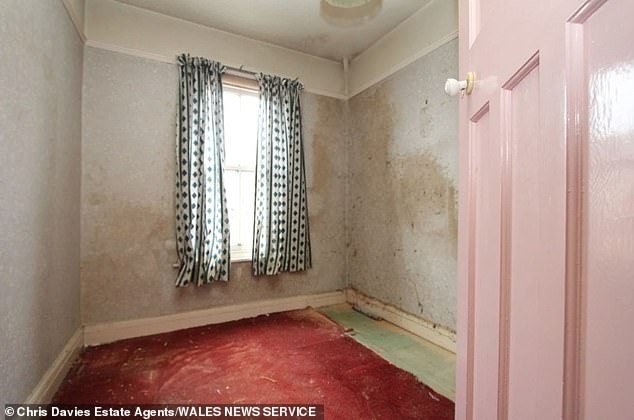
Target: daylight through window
[[241, 121]]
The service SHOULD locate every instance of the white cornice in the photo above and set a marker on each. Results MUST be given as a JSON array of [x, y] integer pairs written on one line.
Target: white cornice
[[429, 28], [131, 30], [138, 31], [75, 10], [407, 60]]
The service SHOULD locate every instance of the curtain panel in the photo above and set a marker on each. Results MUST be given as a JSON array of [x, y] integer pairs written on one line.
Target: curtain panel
[[202, 221], [281, 239]]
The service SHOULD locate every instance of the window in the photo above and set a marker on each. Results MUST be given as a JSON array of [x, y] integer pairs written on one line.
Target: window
[[241, 125]]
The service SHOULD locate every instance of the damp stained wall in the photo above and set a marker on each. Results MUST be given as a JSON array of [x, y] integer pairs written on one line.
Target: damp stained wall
[[40, 152], [127, 204], [402, 204]]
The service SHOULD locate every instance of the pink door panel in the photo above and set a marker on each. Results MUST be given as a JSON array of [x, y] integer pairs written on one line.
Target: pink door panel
[[485, 280], [546, 273], [536, 251], [608, 46]]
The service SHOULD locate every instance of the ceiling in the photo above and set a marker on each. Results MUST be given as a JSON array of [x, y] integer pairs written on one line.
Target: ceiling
[[302, 25]]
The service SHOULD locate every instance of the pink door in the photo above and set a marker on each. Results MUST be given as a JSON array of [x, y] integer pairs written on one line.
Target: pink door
[[546, 276]]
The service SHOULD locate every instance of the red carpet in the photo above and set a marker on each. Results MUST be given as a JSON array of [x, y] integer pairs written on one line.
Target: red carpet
[[298, 357]]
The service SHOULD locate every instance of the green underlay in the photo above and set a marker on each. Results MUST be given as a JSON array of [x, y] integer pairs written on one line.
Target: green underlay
[[432, 365]]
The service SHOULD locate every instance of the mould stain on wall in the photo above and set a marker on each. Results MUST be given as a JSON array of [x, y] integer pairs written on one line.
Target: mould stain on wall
[[326, 155], [403, 208], [128, 198], [381, 172]]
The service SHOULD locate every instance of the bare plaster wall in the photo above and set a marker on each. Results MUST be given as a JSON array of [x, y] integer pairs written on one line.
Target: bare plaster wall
[[402, 206], [128, 197], [40, 151]]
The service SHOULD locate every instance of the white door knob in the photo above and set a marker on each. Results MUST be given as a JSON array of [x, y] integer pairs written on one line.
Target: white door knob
[[453, 86]]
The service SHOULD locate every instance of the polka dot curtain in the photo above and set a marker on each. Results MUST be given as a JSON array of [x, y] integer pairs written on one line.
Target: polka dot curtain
[[202, 221], [281, 240]]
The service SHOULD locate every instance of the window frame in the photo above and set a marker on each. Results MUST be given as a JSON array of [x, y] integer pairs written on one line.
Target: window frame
[[241, 253]]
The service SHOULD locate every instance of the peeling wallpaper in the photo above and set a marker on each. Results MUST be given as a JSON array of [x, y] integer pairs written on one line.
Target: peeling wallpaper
[[40, 153], [127, 205], [403, 175]]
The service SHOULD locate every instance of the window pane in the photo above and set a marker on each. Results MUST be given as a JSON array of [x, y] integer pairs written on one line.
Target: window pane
[[250, 105], [241, 123], [233, 132], [232, 186], [247, 206]]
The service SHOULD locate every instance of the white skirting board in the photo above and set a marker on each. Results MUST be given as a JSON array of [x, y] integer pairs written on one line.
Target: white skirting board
[[113, 331], [53, 377], [417, 326]]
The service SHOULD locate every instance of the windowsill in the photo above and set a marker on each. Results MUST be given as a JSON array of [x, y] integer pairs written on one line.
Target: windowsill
[[241, 255]]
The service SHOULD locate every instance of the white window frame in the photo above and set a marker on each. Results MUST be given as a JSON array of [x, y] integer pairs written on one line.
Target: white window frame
[[241, 252]]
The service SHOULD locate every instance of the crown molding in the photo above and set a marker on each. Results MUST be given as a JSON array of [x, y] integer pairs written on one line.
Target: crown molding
[[432, 26], [75, 10], [119, 27], [132, 30], [406, 61]]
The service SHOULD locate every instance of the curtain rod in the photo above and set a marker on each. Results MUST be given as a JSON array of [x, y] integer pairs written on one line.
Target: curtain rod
[[241, 70]]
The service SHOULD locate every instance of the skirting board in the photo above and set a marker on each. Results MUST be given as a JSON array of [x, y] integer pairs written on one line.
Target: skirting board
[[105, 333], [53, 377], [113, 331], [417, 326]]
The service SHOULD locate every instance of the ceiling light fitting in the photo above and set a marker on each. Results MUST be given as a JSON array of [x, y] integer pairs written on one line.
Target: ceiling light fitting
[[346, 4], [346, 13]]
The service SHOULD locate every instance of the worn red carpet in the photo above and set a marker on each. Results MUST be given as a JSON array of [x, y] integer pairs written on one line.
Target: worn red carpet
[[298, 357]]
